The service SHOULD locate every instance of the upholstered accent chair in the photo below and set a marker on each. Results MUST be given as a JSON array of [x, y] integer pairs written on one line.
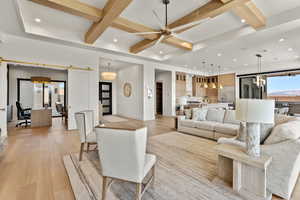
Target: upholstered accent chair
[[86, 126], [123, 157]]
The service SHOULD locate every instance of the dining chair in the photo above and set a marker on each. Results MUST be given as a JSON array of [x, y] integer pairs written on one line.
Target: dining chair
[[86, 126], [123, 157]]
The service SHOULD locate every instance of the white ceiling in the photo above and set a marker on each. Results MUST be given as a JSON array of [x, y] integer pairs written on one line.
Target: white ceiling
[[224, 34], [114, 64]]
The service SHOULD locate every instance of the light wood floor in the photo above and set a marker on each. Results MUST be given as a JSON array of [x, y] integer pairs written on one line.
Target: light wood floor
[[32, 167]]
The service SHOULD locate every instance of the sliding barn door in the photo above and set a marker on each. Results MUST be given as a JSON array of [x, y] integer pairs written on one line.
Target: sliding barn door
[[3, 99], [78, 94]]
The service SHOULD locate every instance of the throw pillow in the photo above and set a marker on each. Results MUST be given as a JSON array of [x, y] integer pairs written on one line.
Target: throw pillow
[[242, 132], [283, 132], [199, 114], [280, 119], [215, 115], [188, 113]]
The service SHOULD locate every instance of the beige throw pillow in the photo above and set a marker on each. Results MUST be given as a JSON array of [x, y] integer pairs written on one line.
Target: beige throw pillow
[[199, 114], [286, 131]]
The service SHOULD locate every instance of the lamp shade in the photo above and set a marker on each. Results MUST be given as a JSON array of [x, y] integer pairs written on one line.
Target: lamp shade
[[108, 76], [182, 100], [255, 110]]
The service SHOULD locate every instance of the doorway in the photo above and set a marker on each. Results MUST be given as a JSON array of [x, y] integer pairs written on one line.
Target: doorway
[[159, 98], [105, 97], [41, 95]]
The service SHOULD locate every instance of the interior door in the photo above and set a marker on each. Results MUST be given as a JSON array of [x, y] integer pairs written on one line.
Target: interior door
[[105, 97], [3, 99], [78, 94], [159, 98]]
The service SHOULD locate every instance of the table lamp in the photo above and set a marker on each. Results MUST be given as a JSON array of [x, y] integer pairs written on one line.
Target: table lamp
[[254, 112], [182, 101]]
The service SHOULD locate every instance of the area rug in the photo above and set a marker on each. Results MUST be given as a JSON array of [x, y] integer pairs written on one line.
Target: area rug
[[113, 118], [185, 169]]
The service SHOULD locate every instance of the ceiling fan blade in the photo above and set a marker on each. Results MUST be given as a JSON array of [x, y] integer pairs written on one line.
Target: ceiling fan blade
[[159, 40], [177, 36], [145, 33], [189, 25], [159, 21]]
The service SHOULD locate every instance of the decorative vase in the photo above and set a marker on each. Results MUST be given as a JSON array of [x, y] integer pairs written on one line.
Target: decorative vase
[[253, 139]]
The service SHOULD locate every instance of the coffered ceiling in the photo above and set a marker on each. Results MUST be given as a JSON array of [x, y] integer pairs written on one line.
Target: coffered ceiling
[[230, 35]]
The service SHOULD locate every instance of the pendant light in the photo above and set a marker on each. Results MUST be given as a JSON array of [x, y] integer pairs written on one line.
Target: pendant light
[[220, 85], [205, 85], [259, 80], [213, 84], [108, 74]]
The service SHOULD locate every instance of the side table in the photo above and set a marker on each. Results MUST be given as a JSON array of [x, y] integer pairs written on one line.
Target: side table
[[248, 175]]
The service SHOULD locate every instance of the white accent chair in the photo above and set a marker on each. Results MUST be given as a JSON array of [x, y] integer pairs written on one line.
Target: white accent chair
[[86, 126], [123, 157]]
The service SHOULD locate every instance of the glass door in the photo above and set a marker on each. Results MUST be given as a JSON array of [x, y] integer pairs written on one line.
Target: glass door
[[105, 97]]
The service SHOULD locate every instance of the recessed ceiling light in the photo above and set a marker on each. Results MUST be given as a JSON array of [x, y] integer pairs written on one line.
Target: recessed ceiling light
[[245, 64], [38, 20], [185, 65], [290, 49], [234, 60], [296, 56], [115, 40], [281, 40], [276, 58], [161, 52], [219, 54], [243, 20]]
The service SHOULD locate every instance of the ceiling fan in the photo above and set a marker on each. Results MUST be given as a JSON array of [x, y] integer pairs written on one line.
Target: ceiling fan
[[165, 31]]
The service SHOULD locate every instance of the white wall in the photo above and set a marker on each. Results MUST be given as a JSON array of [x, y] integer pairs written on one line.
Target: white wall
[[166, 79], [3, 99], [132, 106], [149, 109], [16, 72]]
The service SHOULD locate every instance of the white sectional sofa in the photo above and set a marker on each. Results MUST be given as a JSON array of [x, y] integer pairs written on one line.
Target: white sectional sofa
[[210, 123]]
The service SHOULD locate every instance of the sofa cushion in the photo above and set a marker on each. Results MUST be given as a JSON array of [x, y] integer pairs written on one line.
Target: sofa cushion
[[230, 129], [205, 125], [199, 114], [286, 131], [230, 117], [187, 123], [215, 115]]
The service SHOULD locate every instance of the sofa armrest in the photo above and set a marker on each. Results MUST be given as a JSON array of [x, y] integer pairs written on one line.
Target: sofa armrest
[[232, 141], [284, 169]]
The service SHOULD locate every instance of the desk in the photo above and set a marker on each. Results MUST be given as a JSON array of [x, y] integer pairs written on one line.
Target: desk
[[248, 175], [42, 117]]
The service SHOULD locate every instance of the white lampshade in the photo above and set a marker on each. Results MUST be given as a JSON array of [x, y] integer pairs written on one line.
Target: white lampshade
[[182, 100], [255, 110]]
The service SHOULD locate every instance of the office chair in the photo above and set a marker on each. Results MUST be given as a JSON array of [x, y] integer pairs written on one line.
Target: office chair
[[24, 115]]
